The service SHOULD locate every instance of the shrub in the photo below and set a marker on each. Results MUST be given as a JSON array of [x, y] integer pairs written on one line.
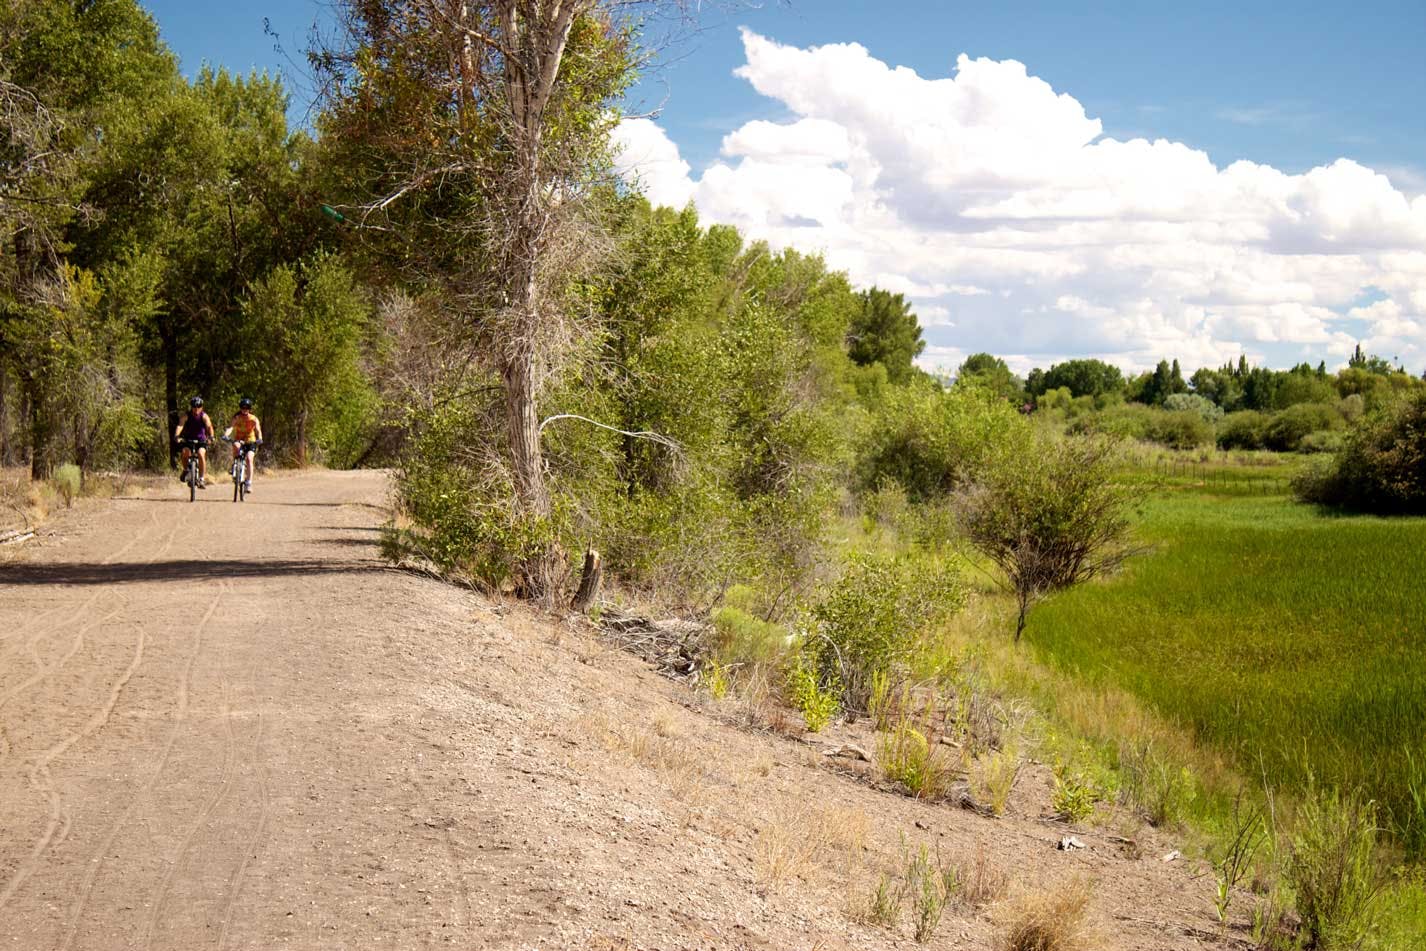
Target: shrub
[[817, 703], [1323, 441], [929, 441], [1333, 871], [1074, 797], [1381, 467], [1186, 429], [1123, 421], [1154, 787], [1285, 431], [740, 639], [68, 479], [1052, 920], [1050, 514], [866, 622], [907, 757], [1208, 410], [1246, 429]]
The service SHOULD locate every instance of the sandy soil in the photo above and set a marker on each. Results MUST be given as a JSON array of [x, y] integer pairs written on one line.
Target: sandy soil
[[229, 726]]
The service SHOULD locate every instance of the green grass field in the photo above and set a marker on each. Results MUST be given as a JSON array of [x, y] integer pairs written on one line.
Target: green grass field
[[1291, 639]]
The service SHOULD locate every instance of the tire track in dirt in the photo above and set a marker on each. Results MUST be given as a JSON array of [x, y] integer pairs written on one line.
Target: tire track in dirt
[[41, 780], [160, 897], [38, 775], [180, 717]]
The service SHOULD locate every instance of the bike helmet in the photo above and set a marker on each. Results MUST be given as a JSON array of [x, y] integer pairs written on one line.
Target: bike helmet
[[196, 402], [245, 403]]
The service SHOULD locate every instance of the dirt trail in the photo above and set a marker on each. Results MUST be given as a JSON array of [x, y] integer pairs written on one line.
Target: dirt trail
[[229, 726]]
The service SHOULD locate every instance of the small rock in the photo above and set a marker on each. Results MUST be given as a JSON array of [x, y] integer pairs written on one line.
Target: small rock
[[1173, 856], [1069, 844]]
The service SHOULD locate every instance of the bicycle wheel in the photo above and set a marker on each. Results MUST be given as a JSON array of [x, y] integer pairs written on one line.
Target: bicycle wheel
[[192, 481], [237, 488]]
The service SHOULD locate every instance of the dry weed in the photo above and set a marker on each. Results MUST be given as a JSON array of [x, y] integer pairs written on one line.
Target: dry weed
[[796, 841], [1053, 919], [982, 882]]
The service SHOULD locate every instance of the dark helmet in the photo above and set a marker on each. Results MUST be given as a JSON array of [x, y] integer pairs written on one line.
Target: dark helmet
[[245, 403], [196, 402]]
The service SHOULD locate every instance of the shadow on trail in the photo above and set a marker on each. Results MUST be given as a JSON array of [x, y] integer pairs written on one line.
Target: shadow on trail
[[186, 570]]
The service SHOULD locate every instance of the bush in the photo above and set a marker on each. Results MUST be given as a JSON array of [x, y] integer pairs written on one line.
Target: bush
[[1320, 442], [1381, 467], [1246, 429], [1186, 429], [1050, 514], [816, 702], [68, 480], [906, 756], [1055, 920], [1333, 871], [1210, 411], [1285, 431], [930, 441], [1123, 421], [740, 639], [866, 622]]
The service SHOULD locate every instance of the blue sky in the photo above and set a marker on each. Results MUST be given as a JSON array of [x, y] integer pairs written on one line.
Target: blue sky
[[1010, 211], [1238, 80]]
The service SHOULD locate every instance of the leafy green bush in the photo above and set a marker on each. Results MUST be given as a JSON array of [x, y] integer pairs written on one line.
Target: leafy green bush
[[1210, 411], [817, 702], [1321, 441], [867, 621], [1286, 429], [68, 479], [1333, 869], [741, 639], [929, 441], [1123, 421], [1246, 429], [1381, 467], [1185, 429]]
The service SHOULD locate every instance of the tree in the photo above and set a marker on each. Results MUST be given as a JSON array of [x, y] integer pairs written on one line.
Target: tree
[[1050, 514], [1081, 377], [471, 134], [885, 331], [991, 373]]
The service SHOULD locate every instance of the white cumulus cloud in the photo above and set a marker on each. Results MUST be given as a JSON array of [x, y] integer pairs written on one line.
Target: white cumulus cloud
[[1000, 208]]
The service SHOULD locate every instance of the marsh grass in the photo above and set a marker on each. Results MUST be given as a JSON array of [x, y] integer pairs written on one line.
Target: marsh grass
[[1292, 642]]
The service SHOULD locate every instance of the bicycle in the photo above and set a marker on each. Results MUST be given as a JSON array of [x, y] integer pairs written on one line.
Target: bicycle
[[190, 473], [242, 460]]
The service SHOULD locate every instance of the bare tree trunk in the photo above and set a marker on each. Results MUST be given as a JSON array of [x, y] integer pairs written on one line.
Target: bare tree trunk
[[589, 580], [4, 415]]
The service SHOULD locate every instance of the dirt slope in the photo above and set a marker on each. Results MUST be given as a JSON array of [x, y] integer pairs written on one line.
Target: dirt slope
[[228, 726]]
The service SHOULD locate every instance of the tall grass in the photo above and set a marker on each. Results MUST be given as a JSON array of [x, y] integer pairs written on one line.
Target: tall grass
[[1293, 641]]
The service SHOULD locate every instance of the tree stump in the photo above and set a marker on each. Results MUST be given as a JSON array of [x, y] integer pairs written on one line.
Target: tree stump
[[589, 580]]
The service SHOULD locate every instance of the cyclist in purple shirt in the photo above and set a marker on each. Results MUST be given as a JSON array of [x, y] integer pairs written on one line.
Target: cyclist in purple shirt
[[197, 427]]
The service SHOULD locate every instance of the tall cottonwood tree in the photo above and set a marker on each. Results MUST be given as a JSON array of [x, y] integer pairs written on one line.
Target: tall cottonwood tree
[[466, 134]]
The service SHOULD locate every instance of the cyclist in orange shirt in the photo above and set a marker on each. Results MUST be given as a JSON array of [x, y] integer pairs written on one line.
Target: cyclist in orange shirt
[[246, 428]]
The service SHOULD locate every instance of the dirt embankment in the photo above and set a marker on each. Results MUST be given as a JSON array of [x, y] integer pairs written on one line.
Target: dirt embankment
[[229, 726]]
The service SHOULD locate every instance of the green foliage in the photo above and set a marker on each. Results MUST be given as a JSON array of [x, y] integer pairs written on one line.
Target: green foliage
[[467, 522], [885, 331], [1204, 407], [1243, 625], [1184, 429], [1074, 795], [1081, 377], [1381, 466], [1333, 869], [306, 326], [68, 480], [865, 623], [1286, 430], [1050, 514], [930, 441], [1245, 429], [991, 373], [1154, 786], [817, 702], [744, 640]]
